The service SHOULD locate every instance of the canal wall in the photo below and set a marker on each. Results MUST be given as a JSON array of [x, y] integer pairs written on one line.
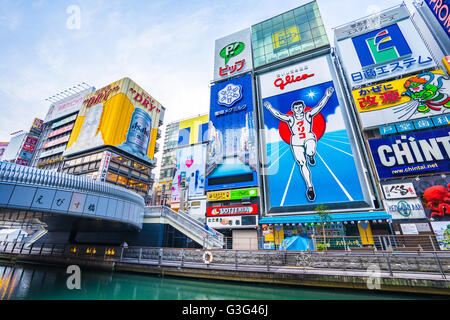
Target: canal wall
[[411, 273]]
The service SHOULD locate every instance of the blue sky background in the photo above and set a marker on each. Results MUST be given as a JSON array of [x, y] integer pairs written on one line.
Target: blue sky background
[[167, 47]]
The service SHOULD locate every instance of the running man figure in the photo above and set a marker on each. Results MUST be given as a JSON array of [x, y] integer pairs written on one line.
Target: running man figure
[[303, 140]]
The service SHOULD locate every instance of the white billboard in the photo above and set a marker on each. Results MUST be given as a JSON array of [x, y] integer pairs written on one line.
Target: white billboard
[[387, 48], [67, 106], [233, 55]]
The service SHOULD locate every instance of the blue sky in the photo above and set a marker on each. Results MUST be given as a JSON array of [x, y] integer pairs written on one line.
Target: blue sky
[[167, 47]]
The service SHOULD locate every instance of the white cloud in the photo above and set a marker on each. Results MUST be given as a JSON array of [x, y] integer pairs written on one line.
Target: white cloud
[[335, 121]]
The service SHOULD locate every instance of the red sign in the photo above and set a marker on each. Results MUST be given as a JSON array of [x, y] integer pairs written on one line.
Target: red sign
[[28, 147], [31, 141], [23, 162], [279, 82], [232, 210], [61, 130]]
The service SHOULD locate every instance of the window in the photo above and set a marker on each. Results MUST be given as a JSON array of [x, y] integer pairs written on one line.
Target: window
[[122, 180], [112, 176]]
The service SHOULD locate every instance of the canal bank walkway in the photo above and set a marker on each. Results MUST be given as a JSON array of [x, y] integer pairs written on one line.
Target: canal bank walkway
[[424, 273]]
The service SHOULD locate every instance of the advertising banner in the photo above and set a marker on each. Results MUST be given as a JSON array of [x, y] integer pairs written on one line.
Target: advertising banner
[[122, 115], [234, 222], [233, 55], [37, 125], [232, 210], [412, 153], [413, 97], [193, 130], [442, 231], [441, 11], [409, 229], [191, 170], [235, 194], [67, 106], [384, 50], [405, 209], [232, 153], [309, 149], [399, 191], [434, 192]]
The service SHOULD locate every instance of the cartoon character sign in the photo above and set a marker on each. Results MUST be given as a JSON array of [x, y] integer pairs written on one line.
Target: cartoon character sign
[[309, 153], [435, 195], [425, 89], [303, 140]]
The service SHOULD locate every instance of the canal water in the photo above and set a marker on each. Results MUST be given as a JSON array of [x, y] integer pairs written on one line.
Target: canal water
[[38, 282]]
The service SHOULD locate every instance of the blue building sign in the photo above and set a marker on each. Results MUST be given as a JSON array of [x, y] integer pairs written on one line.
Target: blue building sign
[[412, 153], [232, 155], [441, 10]]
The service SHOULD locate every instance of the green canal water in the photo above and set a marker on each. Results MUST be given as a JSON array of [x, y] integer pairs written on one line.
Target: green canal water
[[38, 282]]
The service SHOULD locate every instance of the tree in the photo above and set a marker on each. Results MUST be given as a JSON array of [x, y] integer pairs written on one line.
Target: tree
[[325, 219]]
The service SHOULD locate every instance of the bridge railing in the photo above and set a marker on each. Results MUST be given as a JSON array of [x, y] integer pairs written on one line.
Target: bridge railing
[[210, 236], [389, 263]]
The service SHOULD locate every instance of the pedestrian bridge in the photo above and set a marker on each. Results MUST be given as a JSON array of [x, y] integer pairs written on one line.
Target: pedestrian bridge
[[62, 202]]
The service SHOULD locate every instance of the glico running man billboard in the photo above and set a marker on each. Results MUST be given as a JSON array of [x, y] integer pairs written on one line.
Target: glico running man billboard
[[232, 154], [121, 114], [311, 157]]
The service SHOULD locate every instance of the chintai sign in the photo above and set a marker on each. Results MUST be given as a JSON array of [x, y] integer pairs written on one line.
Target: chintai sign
[[412, 153]]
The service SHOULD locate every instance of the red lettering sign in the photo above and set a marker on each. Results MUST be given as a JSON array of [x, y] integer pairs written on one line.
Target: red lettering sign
[[290, 79]]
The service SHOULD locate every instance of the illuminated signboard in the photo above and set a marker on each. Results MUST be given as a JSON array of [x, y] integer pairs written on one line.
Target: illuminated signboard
[[234, 222], [233, 55], [235, 194], [441, 11], [310, 155], [413, 97], [121, 114], [190, 167], [285, 37], [67, 106], [388, 46], [433, 191], [232, 154], [412, 153], [232, 210], [193, 130]]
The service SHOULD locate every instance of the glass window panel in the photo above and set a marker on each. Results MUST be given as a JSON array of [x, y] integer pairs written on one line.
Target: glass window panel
[[259, 61], [318, 32], [315, 23], [299, 11], [92, 165], [114, 165], [271, 57], [301, 19], [321, 41], [268, 40], [295, 49], [77, 161], [268, 49], [311, 15], [283, 54], [86, 167], [276, 20], [310, 6], [288, 15], [257, 27], [144, 176], [308, 45], [258, 52], [134, 172], [305, 36], [278, 27], [124, 169], [122, 180], [304, 27], [266, 24], [289, 23]]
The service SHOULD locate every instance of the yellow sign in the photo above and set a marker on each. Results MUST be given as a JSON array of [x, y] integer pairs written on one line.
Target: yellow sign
[[194, 124], [446, 63], [218, 195], [286, 36], [121, 114], [365, 232], [393, 93]]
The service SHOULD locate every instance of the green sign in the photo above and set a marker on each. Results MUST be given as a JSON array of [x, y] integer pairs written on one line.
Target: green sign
[[342, 243], [231, 50], [243, 193]]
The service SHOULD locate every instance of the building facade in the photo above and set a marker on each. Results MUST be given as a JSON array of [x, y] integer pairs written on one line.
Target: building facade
[[114, 137]]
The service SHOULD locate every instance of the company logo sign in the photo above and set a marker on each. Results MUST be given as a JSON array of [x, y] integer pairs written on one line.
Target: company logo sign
[[412, 154], [232, 210], [399, 191], [441, 10], [285, 37], [233, 55], [229, 95], [231, 50], [381, 45], [405, 209]]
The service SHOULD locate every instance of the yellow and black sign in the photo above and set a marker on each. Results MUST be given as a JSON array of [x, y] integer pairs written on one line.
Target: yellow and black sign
[[219, 195]]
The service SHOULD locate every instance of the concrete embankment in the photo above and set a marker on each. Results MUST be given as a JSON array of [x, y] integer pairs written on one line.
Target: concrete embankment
[[357, 278]]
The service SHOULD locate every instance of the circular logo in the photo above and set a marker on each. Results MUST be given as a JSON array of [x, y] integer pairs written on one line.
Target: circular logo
[[403, 208]]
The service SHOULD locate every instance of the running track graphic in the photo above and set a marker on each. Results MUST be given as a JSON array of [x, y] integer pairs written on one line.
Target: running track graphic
[[334, 176]]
